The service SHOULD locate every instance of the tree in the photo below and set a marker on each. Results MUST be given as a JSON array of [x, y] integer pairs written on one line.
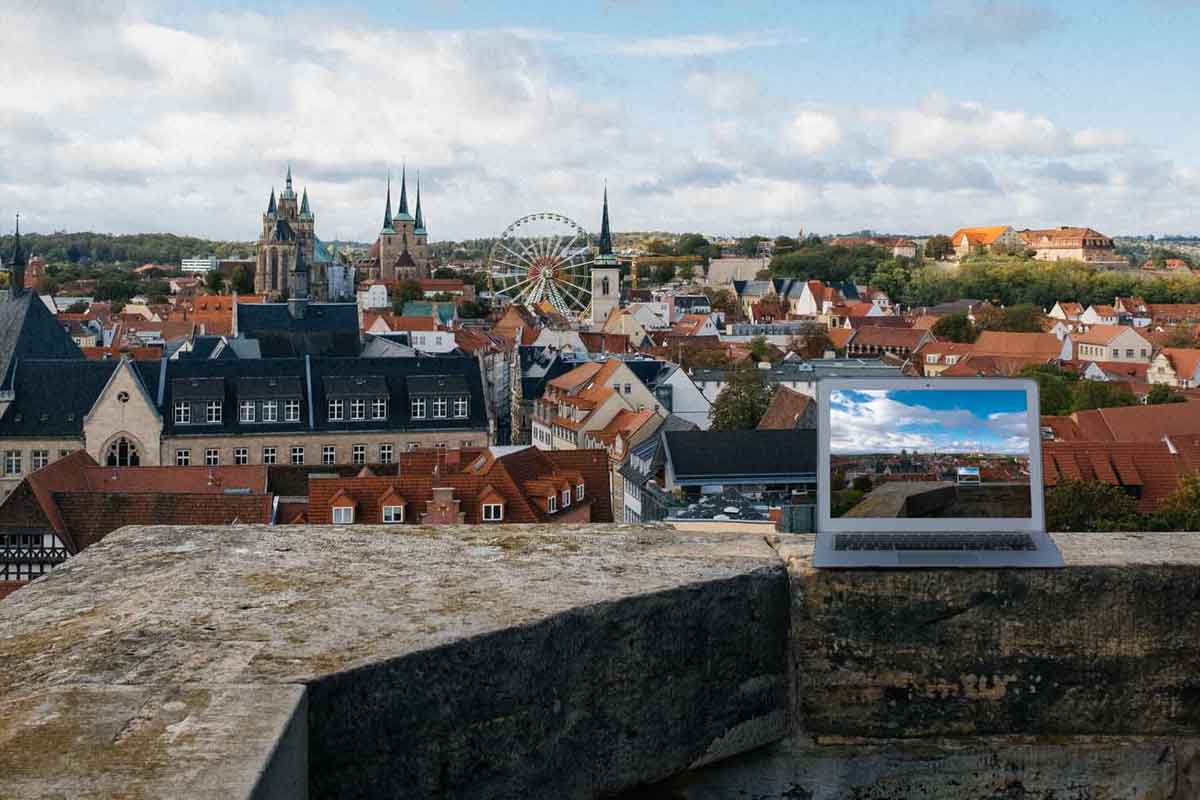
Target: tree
[[1054, 388], [78, 307], [1160, 394], [686, 272], [1100, 394], [812, 342], [938, 247], [759, 349], [862, 484], [243, 281], [785, 244], [748, 246], [657, 247], [664, 272], [474, 309], [743, 401], [645, 273], [691, 244], [762, 275], [724, 301], [213, 281], [1179, 336], [444, 272], [1021, 318], [1090, 506], [955, 328], [1180, 510], [406, 291]]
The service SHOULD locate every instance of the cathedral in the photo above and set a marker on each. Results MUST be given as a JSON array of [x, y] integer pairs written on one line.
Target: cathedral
[[291, 260], [402, 249]]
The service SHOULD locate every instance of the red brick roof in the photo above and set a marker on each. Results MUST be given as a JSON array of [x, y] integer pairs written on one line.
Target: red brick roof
[[785, 411], [1150, 468], [1128, 423], [484, 474]]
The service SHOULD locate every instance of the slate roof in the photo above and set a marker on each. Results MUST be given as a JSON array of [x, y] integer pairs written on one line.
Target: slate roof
[[764, 454], [28, 329], [52, 396], [326, 329]]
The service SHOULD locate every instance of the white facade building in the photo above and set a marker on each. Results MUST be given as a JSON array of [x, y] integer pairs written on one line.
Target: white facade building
[[199, 264]]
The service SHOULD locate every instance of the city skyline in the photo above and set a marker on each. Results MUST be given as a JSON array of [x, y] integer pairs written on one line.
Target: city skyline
[[929, 421], [728, 119]]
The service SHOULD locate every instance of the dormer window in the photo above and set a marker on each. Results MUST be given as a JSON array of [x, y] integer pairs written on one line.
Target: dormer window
[[460, 407], [358, 409], [566, 498], [246, 411], [418, 408], [337, 410], [183, 412], [393, 514], [493, 512], [440, 405], [379, 408], [579, 492], [291, 410], [213, 412], [552, 503], [270, 411], [343, 515]]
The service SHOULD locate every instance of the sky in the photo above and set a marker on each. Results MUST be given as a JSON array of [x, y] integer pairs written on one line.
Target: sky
[[929, 420], [728, 118]]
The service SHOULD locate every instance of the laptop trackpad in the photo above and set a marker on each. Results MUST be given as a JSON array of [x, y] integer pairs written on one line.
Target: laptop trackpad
[[927, 558]]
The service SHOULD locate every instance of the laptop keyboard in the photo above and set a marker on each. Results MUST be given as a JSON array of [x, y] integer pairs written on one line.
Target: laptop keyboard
[[934, 541]]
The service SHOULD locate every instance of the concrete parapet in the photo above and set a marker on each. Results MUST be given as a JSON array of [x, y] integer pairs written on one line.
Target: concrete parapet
[[453, 662], [579, 662]]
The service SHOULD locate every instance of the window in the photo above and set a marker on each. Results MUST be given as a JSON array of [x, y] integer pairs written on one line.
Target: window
[[38, 459], [329, 454], [385, 454], [270, 411], [297, 454], [552, 503], [465, 443], [183, 413], [413, 446], [337, 410], [460, 407], [1129, 352], [358, 409], [268, 455], [379, 408], [579, 492], [212, 411], [246, 411], [183, 457], [212, 457], [343, 515], [566, 498], [393, 513], [122, 453], [628, 388], [440, 445], [291, 410], [418, 408], [440, 405], [12, 462], [493, 512], [358, 454], [241, 456]]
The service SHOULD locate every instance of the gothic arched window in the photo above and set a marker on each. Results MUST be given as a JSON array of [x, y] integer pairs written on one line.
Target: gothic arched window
[[604, 286], [122, 453]]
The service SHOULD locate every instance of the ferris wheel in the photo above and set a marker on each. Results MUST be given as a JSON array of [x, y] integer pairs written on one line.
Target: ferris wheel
[[543, 258]]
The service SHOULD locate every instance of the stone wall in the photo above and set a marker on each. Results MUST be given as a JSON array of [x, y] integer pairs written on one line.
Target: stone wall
[[584, 661]]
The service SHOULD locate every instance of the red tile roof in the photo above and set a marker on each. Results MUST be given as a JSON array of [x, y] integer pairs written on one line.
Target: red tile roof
[[1184, 360], [979, 236], [1149, 467], [1128, 423], [787, 408], [1100, 334], [1043, 346]]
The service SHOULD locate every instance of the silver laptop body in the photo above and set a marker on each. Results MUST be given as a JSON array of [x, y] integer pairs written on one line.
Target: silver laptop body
[[914, 472]]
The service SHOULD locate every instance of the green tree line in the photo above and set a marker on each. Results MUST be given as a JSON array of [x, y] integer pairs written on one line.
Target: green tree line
[[136, 249]]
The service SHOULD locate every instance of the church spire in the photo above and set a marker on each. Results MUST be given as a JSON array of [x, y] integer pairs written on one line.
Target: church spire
[[419, 225], [271, 202], [402, 211], [288, 192], [16, 271], [304, 211], [605, 233], [387, 210]]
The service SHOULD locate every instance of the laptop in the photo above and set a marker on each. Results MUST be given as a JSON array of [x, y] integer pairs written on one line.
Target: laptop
[[930, 473]]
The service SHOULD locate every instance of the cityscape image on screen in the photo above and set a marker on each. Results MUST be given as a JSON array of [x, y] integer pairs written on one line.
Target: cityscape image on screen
[[929, 453]]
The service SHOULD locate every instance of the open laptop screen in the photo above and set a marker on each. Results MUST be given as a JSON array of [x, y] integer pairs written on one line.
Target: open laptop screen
[[930, 453]]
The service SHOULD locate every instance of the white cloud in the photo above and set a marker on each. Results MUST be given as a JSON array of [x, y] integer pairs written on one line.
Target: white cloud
[[723, 91], [697, 45], [812, 132]]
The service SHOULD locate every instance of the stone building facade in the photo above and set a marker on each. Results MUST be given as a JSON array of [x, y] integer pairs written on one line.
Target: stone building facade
[[290, 261], [402, 250], [213, 413]]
